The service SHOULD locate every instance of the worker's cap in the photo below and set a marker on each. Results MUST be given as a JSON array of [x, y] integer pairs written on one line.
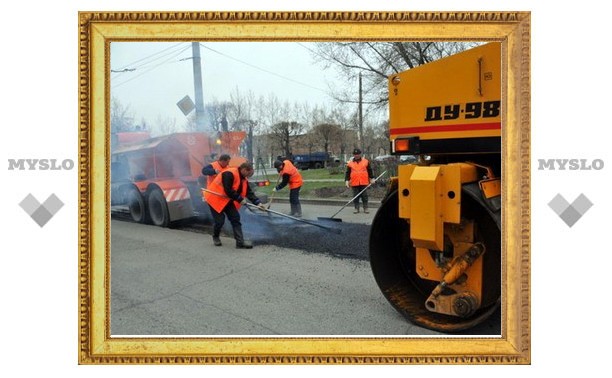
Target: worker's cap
[[356, 151], [277, 164]]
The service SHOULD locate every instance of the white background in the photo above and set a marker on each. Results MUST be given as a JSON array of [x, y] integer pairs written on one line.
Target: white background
[[570, 266]]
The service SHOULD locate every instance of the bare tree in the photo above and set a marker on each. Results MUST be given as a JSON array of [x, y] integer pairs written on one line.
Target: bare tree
[[122, 119], [164, 126], [271, 110], [190, 123], [341, 115], [283, 133], [216, 115], [326, 133], [280, 123], [376, 139], [375, 61], [143, 125], [244, 118]]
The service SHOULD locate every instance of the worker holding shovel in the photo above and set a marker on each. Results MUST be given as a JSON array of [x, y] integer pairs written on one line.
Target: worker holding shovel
[[290, 176], [358, 176], [225, 195]]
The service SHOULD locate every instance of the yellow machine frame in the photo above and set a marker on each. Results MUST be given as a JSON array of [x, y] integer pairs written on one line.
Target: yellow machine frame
[[447, 107]]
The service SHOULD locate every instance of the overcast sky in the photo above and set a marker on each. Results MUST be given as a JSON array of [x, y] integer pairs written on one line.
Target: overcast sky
[[151, 77]]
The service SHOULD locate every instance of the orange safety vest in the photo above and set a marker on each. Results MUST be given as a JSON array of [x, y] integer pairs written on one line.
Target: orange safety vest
[[359, 172], [295, 178], [218, 167], [218, 202]]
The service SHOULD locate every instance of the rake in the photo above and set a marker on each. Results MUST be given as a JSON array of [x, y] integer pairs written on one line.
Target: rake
[[348, 203]]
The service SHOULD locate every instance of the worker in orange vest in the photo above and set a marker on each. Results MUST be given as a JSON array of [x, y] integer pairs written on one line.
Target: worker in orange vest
[[359, 175], [213, 169], [290, 176], [225, 195]]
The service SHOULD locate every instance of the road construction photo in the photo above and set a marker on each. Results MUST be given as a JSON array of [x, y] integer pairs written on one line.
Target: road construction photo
[[284, 201]]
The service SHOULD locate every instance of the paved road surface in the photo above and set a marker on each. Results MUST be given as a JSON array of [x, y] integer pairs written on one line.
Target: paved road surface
[[174, 282]]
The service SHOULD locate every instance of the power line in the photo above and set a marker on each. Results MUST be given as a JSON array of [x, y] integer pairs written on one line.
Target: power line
[[311, 50], [262, 69], [149, 57], [115, 85]]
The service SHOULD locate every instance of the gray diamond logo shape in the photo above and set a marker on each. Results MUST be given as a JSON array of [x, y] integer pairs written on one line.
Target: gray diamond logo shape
[[570, 213], [41, 213]]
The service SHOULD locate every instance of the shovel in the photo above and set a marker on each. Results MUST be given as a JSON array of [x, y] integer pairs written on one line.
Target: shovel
[[334, 230], [351, 200]]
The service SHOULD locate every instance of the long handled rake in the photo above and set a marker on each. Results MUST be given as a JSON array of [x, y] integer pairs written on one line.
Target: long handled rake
[[351, 200]]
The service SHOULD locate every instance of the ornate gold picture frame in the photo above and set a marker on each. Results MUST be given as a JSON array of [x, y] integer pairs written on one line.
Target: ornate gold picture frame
[[98, 29]]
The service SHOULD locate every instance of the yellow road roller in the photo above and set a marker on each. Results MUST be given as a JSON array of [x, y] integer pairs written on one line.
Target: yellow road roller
[[435, 242]]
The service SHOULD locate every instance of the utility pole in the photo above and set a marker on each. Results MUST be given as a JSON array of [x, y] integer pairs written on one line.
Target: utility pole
[[197, 83], [249, 145], [360, 114]]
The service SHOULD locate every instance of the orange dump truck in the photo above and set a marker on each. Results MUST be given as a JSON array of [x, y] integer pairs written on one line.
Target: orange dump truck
[[159, 179]]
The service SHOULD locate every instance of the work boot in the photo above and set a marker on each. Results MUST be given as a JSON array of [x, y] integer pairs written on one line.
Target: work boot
[[298, 214], [365, 210], [356, 211], [240, 242], [296, 210], [245, 244], [216, 241]]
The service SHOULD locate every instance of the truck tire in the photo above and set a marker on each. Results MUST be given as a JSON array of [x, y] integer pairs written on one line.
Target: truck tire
[[318, 165], [158, 208], [136, 205]]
